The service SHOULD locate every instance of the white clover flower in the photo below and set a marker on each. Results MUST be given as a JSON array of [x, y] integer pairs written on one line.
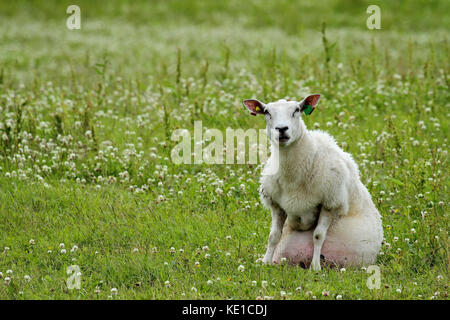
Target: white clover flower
[[339, 297], [114, 291], [9, 271], [167, 283], [342, 270], [209, 282], [254, 283], [241, 268], [63, 251], [264, 284], [61, 245], [135, 250], [32, 242], [283, 294], [27, 278], [7, 280]]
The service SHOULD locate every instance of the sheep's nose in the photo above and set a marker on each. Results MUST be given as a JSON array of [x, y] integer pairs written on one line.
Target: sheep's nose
[[282, 129]]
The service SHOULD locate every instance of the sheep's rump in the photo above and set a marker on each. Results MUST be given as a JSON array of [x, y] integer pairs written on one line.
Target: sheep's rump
[[352, 241]]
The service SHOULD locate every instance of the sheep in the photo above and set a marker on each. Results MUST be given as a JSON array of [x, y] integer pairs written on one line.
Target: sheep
[[315, 185]]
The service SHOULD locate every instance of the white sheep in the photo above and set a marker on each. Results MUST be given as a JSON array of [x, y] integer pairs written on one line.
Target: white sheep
[[315, 185]]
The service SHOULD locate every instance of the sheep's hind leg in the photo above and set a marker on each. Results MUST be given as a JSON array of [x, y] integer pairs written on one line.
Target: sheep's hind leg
[[319, 235]]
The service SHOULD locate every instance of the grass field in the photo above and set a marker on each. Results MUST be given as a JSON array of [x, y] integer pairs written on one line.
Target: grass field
[[86, 116]]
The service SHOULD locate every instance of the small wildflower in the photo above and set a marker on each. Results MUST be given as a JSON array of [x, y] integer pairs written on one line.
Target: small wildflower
[[339, 297], [32, 242], [27, 278], [167, 283], [241, 268], [114, 291]]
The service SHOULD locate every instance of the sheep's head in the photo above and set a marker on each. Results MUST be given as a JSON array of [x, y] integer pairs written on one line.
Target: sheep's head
[[283, 118]]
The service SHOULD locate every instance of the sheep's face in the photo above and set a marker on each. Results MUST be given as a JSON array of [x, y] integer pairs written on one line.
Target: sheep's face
[[283, 118]]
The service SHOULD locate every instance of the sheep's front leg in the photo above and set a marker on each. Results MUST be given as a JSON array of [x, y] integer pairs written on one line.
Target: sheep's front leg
[[278, 219], [319, 235]]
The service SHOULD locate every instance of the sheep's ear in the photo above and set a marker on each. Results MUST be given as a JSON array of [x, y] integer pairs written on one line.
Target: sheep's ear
[[309, 103], [254, 106]]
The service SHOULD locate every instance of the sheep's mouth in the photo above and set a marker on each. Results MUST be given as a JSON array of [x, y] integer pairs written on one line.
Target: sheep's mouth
[[283, 139]]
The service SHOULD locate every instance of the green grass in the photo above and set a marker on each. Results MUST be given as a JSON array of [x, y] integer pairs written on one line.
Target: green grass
[[85, 117]]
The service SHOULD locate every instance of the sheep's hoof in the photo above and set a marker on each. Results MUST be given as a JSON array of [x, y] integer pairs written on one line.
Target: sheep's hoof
[[267, 260], [315, 266]]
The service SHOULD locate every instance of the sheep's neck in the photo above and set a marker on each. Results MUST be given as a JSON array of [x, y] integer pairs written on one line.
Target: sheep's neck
[[297, 159]]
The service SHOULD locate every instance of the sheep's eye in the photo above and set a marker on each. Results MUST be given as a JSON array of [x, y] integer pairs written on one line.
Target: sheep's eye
[[296, 110]]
